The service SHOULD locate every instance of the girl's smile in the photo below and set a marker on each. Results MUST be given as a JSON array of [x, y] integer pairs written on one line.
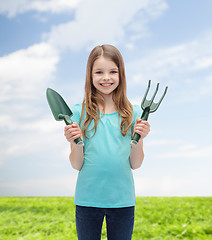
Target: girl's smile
[[106, 84]]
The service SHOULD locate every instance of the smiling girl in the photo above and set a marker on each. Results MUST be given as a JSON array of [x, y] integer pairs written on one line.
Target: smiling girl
[[105, 121]]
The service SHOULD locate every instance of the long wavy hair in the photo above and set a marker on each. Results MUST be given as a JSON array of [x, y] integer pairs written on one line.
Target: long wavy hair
[[92, 100]]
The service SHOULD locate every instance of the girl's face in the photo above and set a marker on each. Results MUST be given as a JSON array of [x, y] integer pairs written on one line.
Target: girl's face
[[105, 75]]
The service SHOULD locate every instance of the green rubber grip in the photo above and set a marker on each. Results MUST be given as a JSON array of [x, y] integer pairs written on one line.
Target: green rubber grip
[[68, 121], [136, 136]]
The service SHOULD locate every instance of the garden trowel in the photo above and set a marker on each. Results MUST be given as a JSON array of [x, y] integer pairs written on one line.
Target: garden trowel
[[60, 110]]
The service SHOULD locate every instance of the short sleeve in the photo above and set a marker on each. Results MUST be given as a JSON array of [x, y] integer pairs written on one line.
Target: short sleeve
[[137, 112], [76, 109]]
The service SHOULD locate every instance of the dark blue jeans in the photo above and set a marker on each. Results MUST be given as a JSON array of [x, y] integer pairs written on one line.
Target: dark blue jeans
[[119, 222]]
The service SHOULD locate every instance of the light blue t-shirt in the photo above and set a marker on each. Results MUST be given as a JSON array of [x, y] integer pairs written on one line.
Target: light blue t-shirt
[[105, 179]]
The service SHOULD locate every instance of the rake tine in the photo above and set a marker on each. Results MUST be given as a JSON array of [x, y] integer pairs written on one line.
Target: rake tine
[[144, 98], [158, 104], [154, 94]]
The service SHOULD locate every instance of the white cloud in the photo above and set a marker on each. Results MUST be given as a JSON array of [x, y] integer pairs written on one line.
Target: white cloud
[[145, 186], [188, 151], [11, 8], [57, 186], [172, 186], [43, 136], [180, 65], [98, 22], [25, 71], [161, 142], [178, 149], [206, 88], [24, 76], [191, 56]]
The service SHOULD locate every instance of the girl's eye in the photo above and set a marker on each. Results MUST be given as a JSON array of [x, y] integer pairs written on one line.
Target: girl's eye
[[99, 72], [113, 72]]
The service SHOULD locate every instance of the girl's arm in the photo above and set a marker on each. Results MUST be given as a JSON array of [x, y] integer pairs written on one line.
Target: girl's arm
[[76, 156], [137, 154]]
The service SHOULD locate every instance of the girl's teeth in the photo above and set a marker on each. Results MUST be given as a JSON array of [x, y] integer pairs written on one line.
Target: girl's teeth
[[108, 84]]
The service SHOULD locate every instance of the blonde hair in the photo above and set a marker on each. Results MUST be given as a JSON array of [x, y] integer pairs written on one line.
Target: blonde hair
[[92, 100]]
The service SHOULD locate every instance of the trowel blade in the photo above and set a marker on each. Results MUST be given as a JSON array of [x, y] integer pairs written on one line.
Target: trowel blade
[[57, 104]]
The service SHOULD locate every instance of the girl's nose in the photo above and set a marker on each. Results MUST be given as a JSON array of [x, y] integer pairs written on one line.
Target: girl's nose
[[106, 76]]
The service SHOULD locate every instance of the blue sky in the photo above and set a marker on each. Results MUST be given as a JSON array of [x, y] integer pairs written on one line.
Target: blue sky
[[47, 43]]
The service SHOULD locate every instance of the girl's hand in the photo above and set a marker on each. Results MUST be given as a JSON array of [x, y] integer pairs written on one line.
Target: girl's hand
[[72, 132], [142, 128]]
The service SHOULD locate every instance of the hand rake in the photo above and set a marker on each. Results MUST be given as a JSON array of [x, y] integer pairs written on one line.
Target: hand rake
[[148, 106]]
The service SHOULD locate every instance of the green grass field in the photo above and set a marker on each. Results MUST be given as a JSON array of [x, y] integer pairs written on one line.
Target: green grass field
[[35, 218]]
